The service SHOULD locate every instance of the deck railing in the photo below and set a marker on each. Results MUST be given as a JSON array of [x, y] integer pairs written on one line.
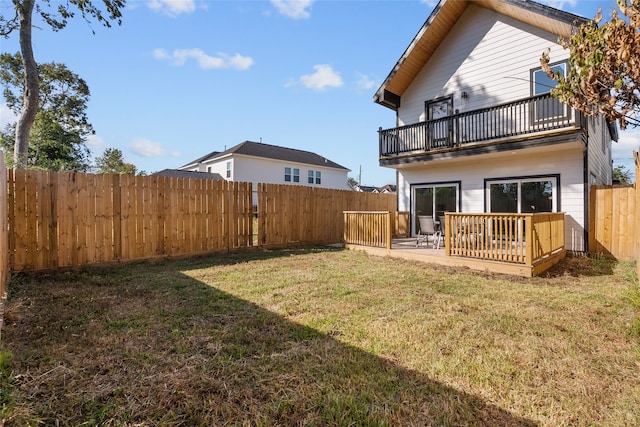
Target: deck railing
[[530, 115], [517, 238], [368, 228]]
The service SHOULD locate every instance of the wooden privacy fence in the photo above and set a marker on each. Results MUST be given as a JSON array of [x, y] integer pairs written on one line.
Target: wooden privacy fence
[[368, 228], [60, 219], [4, 234], [517, 238], [73, 219], [300, 214], [612, 221]]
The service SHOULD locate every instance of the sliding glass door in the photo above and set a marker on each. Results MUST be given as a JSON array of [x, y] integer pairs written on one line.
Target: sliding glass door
[[433, 200]]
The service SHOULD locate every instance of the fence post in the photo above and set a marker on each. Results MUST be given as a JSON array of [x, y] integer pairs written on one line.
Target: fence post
[[528, 238], [389, 230], [117, 217], [4, 231]]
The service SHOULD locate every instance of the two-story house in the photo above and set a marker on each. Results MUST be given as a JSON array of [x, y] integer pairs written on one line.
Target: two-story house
[[477, 130], [256, 162]]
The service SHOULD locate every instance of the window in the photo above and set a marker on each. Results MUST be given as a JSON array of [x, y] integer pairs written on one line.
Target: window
[[523, 195], [318, 180], [310, 177], [547, 108], [433, 200], [287, 174], [209, 168], [296, 175], [228, 169]]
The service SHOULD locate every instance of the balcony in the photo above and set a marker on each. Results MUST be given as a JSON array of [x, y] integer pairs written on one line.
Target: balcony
[[526, 118]]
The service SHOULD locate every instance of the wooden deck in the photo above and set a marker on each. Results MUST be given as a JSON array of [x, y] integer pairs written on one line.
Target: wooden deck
[[405, 248]]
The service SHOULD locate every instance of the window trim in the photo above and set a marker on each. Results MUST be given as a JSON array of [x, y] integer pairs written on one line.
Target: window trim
[[229, 169]]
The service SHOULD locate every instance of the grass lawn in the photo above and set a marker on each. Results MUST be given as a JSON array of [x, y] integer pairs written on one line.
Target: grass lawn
[[320, 337]]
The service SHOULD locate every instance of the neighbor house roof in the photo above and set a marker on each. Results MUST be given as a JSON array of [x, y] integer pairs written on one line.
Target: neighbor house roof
[[258, 149], [441, 21], [176, 173]]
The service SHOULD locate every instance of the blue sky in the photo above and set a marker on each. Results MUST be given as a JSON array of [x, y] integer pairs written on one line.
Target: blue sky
[[181, 78]]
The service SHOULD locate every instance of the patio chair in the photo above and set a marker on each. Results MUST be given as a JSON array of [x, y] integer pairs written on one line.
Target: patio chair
[[427, 228]]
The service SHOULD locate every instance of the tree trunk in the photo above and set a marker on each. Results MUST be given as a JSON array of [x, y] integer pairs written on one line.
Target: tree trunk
[[32, 86]]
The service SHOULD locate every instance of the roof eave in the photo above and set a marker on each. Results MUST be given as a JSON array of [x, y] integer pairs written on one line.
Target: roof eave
[[444, 16]]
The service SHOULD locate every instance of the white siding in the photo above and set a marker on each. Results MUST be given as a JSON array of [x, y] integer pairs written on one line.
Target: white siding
[[599, 146], [487, 55], [271, 171], [566, 161]]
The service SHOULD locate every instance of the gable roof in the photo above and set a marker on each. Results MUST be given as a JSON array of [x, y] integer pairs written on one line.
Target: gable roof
[[258, 149], [176, 173], [441, 21]]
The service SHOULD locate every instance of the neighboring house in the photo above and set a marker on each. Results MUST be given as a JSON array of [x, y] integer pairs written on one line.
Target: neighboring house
[[256, 162], [476, 128], [177, 173], [387, 189]]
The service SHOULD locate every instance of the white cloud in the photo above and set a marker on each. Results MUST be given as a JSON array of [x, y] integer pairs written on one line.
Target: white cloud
[[6, 116], [323, 78], [560, 4], [295, 9], [364, 83], [430, 3], [172, 7], [95, 143], [207, 62], [147, 148]]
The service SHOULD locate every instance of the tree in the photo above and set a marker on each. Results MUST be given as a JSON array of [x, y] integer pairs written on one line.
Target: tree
[[61, 127], [55, 16], [621, 175], [604, 67], [112, 161]]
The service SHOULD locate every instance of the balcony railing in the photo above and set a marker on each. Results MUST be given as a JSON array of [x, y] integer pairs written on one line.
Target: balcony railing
[[526, 116]]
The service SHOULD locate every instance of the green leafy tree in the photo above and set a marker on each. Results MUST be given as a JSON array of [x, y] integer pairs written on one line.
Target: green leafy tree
[[621, 175], [61, 127], [112, 161], [56, 16], [604, 67]]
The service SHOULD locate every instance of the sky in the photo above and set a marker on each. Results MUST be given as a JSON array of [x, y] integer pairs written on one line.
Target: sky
[[182, 78]]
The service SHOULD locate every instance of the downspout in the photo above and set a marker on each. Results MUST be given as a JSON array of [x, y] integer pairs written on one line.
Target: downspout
[[585, 179]]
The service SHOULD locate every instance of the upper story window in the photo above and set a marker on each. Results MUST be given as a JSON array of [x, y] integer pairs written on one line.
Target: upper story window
[[547, 109], [209, 169], [291, 174], [310, 177], [318, 179], [542, 83], [228, 169]]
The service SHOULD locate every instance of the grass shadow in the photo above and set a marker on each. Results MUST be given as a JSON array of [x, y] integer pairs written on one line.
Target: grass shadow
[[146, 344]]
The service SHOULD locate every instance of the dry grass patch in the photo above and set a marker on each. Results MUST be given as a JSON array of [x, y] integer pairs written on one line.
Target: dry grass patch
[[321, 337]]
